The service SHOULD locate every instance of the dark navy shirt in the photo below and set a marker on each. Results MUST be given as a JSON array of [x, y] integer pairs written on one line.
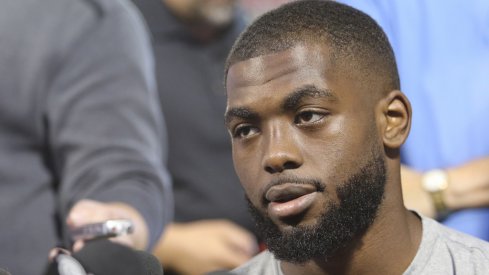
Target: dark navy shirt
[[190, 83]]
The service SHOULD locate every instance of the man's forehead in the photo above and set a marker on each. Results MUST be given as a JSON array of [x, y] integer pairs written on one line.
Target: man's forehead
[[262, 69]]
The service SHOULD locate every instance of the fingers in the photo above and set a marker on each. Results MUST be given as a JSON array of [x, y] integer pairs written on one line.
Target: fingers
[[78, 245], [238, 245], [238, 238], [56, 251], [88, 211]]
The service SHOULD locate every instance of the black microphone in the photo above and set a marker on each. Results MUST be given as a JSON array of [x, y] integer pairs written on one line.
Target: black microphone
[[151, 264], [103, 257]]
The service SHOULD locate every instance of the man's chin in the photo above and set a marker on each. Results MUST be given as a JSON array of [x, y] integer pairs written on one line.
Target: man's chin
[[293, 224]]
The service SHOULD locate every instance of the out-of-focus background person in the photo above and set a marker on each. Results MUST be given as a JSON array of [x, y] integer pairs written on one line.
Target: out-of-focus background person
[[254, 8], [212, 229], [442, 49], [81, 136]]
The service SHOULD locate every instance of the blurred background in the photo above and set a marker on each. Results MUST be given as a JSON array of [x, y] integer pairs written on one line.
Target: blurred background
[[254, 8]]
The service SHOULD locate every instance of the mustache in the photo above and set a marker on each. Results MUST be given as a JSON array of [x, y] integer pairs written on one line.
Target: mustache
[[298, 180]]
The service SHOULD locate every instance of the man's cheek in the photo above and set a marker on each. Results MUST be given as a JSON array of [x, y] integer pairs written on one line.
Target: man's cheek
[[251, 191]]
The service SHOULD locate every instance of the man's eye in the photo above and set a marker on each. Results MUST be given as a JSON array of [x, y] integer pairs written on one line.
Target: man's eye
[[308, 117], [245, 131]]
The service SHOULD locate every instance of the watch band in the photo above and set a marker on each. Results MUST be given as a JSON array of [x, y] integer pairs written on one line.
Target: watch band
[[435, 182]]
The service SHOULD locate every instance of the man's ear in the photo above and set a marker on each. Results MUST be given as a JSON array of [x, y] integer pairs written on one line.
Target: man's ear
[[395, 119]]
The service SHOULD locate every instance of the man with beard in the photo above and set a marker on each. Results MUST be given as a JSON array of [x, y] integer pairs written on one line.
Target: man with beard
[[317, 120], [191, 40]]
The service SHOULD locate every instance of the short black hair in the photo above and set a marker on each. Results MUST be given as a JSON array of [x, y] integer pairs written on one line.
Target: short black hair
[[355, 39]]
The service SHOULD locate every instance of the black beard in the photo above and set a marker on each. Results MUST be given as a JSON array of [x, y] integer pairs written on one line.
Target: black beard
[[359, 200]]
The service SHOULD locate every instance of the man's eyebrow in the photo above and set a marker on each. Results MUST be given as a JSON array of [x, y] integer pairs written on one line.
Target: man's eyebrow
[[239, 112], [295, 98]]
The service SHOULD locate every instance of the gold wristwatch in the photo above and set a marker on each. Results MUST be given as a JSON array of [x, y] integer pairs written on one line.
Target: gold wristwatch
[[435, 182]]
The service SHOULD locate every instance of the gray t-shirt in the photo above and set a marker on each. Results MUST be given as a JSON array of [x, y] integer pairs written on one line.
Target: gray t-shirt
[[442, 251]]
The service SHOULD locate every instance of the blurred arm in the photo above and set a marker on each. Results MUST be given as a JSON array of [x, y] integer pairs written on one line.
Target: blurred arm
[[468, 188], [200, 247], [105, 126]]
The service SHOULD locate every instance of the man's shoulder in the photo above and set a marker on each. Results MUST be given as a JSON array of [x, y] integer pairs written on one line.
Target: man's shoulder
[[459, 240], [448, 251], [263, 263]]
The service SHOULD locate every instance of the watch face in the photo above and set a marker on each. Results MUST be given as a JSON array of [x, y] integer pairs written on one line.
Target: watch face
[[435, 181], [68, 265]]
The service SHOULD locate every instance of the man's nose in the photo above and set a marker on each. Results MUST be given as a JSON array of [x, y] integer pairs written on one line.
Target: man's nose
[[282, 151]]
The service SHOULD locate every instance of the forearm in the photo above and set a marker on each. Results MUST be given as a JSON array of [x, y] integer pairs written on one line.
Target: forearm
[[468, 187], [105, 128], [203, 246]]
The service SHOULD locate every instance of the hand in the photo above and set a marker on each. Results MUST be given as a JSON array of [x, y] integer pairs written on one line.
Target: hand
[[200, 247], [89, 211]]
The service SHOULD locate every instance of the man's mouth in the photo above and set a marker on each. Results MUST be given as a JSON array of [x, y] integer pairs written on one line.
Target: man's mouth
[[290, 199]]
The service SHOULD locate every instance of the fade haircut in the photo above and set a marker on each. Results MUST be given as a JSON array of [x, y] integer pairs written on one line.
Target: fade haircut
[[358, 45]]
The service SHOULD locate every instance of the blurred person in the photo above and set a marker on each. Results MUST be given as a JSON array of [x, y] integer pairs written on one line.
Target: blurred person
[[442, 51], [81, 137], [317, 120], [212, 229], [255, 8]]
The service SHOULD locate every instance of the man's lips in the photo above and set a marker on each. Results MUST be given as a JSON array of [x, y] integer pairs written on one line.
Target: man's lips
[[288, 191], [290, 199]]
